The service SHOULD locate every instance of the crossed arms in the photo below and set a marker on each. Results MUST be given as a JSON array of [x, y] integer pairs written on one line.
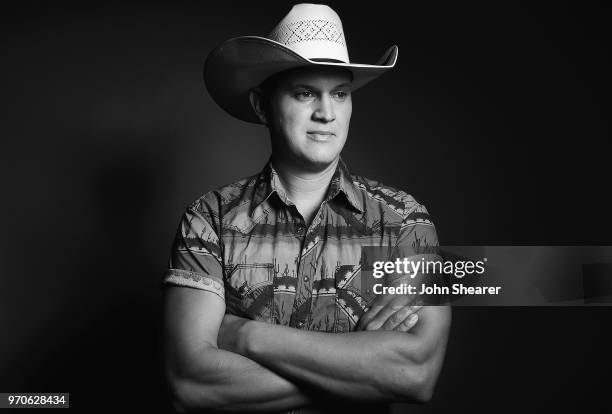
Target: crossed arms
[[224, 362]]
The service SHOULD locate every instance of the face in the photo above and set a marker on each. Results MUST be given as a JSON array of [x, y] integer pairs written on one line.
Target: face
[[308, 113]]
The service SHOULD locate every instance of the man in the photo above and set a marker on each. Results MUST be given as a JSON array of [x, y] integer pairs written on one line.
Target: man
[[265, 308]]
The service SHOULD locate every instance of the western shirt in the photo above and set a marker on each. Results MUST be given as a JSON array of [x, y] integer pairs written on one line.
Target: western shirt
[[247, 243]]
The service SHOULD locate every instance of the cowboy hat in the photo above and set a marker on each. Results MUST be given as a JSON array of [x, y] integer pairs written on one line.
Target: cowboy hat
[[309, 35]]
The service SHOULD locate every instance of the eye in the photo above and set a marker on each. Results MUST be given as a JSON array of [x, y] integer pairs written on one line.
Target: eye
[[341, 95], [304, 94]]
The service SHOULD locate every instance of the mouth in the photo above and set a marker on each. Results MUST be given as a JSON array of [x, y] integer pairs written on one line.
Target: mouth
[[320, 135]]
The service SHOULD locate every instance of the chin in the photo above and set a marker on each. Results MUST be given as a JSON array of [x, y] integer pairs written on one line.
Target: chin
[[322, 154], [321, 157]]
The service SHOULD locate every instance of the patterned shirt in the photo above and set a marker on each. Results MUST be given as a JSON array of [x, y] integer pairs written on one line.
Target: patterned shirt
[[247, 243]]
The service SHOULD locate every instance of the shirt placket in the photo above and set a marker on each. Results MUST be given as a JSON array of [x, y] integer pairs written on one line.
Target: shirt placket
[[306, 269]]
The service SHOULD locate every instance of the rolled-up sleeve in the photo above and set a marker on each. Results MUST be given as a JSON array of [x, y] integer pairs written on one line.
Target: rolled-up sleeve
[[196, 255], [418, 241]]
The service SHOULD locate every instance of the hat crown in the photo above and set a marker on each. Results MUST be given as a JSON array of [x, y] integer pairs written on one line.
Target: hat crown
[[313, 31]]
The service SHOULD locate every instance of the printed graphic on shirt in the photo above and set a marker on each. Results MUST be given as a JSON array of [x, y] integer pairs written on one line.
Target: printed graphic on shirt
[[250, 238]]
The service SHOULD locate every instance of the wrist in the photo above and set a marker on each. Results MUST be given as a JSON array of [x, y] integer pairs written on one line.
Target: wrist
[[249, 332], [244, 334]]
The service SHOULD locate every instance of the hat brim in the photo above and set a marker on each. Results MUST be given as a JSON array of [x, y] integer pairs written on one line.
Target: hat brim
[[242, 63]]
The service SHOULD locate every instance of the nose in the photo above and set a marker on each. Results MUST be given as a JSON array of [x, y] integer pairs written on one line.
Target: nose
[[324, 111]]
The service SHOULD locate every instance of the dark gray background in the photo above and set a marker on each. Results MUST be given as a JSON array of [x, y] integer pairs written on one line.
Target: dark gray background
[[496, 118]]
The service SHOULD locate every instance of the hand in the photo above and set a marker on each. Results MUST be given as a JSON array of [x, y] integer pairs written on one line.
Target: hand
[[231, 334], [391, 313]]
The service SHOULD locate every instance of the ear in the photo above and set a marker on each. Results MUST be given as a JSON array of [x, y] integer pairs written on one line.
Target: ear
[[255, 96]]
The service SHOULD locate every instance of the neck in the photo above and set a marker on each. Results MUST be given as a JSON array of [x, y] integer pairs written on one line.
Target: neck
[[305, 188], [298, 181]]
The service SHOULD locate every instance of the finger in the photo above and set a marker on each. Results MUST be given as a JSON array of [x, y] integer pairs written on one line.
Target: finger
[[396, 318], [372, 319], [400, 316], [382, 316], [375, 306], [391, 306], [368, 316], [408, 323], [416, 308]]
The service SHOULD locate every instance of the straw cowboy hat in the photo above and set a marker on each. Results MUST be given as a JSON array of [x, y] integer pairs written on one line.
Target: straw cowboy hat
[[309, 35]]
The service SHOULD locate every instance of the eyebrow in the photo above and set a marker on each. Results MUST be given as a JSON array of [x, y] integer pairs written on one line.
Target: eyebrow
[[306, 86]]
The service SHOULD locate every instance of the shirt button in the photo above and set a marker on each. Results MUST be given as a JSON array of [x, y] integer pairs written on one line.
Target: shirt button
[[305, 278], [300, 325], [299, 229]]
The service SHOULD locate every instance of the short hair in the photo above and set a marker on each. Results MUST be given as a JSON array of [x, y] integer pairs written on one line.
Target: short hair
[[268, 87]]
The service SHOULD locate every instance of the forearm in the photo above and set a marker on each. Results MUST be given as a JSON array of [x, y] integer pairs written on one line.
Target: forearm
[[227, 381], [372, 366]]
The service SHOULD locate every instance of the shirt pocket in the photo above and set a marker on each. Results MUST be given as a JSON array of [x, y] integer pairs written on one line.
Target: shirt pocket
[[252, 291]]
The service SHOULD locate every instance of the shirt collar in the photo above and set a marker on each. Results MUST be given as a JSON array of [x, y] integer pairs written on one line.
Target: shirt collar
[[268, 182]]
